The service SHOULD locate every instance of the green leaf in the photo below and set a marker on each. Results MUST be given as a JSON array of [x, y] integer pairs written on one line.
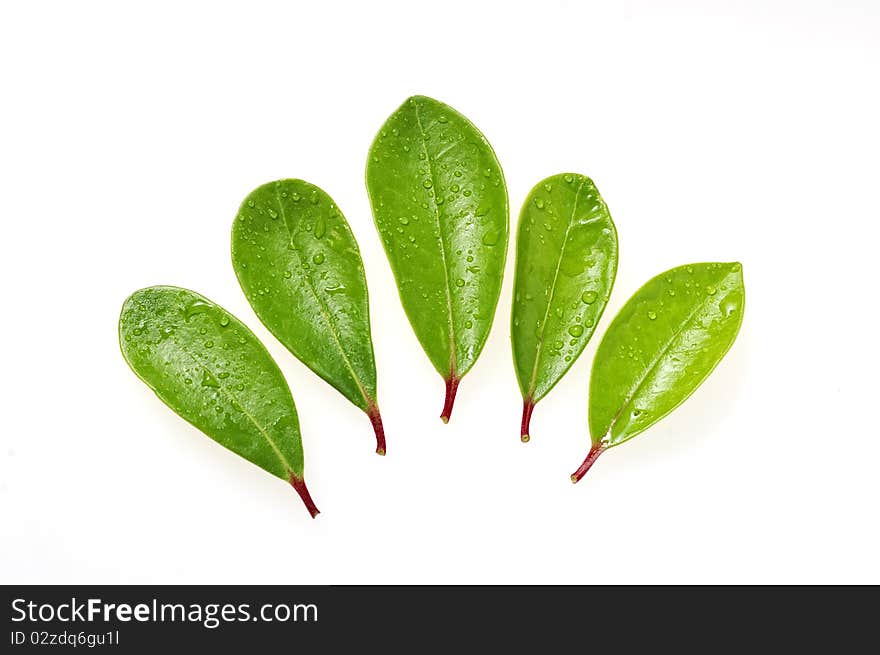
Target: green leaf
[[440, 205], [659, 348], [299, 266], [566, 260], [210, 369]]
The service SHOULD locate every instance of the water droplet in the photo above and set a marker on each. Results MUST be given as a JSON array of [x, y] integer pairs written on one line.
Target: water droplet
[[711, 290], [338, 288], [196, 307], [652, 315], [568, 178], [559, 312], [548, 187], [442, 119], [296, 197], [427, 183], [728, 306], [539, 203], [454, 188], [286, 274], [690, 269], [589, 297], [224, 321], [250, 203], [490, 238], [208, 380], [188, 381], [314, 198], [273, 214], [576, 330], [589, 322], [320, 227], [459, 282], [466, 193], [223, 375], [469, 324], [318, 258], [137, 332], [209, 344]]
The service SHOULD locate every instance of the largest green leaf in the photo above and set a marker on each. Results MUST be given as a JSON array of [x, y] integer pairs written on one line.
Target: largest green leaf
[[440, 204], [299, 265], [663, 343], [210, 369]]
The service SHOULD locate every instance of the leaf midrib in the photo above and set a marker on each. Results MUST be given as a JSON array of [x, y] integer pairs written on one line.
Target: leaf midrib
[[540, 346], [641, 380], [323, 309], [436, 212]]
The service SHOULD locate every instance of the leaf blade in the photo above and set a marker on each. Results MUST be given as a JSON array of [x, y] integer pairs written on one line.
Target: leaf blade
[[565, 268], [684, 322], [211, 370], [300, 268], [439, 202]]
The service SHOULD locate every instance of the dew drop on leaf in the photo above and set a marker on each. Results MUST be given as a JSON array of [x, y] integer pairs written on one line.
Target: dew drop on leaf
[[490, 238]]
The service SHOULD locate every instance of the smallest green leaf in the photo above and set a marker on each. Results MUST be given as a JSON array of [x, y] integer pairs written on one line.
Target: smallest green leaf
[[663, 343], [566, 261]]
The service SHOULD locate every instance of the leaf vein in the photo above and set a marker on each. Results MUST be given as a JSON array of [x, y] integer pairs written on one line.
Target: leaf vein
[[540, 345], [325, 312], [452, 349]]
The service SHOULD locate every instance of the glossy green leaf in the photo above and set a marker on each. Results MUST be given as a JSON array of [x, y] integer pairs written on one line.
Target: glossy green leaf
[[299, 266], [209, 367], [566, 260], [440, 205], [659, 348]]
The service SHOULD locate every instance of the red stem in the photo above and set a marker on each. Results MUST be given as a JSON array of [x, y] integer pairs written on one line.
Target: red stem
[[300, 485], [528, 406], [592, 456], [376, 420], [451, 388]]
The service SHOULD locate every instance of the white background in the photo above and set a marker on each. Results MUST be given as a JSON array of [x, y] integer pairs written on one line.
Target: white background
[[714, 130]]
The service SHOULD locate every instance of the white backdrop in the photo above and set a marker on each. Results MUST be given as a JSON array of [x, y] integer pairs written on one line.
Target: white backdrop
[[714, 130]]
